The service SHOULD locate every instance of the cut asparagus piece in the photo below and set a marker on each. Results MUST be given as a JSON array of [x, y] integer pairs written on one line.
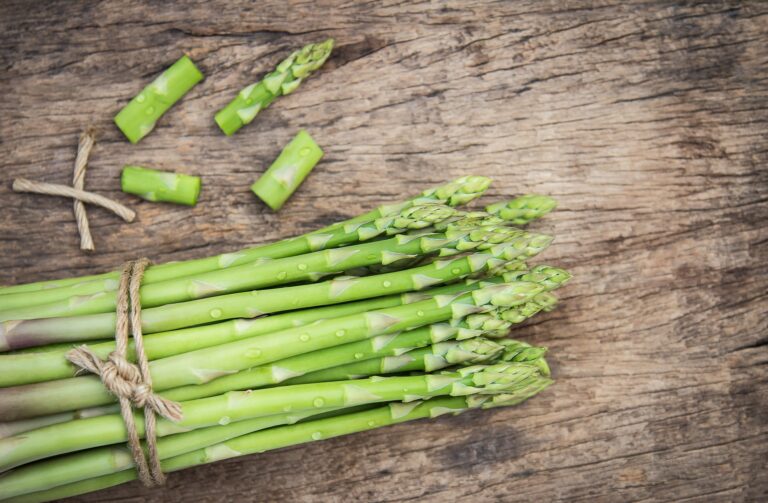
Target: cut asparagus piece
[[137, 119], [237, 406], [283, 80], [198, 367], [455, 193], [288, 171], [164, 186]]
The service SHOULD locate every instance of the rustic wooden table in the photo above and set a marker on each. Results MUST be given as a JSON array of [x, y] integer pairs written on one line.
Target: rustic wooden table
[[646, 120]]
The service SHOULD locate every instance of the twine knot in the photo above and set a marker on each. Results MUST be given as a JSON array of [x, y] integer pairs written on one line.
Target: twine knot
[[131, 383]]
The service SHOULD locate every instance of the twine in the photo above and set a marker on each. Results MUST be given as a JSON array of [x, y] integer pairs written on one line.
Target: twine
[[55, 189], [131, 383], [84, 146], [77, 192]]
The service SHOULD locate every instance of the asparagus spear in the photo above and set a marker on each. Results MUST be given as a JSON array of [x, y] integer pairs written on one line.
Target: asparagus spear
[[28, 367], [430, 358], [240, 405], [455, 193], [24, 333], [154, 185], [473, 325], [284, 436], [523, 209], [283, 80], [276, 272], [98, 296], [288, 171], [198, 367], [138, 117]]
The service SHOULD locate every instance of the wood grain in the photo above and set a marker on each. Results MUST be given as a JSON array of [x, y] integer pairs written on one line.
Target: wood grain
[[646, 120]]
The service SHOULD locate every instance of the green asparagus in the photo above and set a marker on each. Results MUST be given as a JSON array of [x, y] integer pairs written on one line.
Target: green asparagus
[[240, 405], [137, 119], [283, 80], [154, 185], [288, 171], [201, 366]]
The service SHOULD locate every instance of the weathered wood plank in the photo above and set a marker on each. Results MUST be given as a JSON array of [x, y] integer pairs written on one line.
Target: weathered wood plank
[[647, 121]]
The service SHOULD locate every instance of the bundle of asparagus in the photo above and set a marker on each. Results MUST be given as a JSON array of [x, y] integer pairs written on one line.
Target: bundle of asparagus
[[281, 344]]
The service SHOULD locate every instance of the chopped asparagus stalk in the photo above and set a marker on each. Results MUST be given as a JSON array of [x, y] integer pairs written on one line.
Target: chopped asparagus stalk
[[154, 185], [283, 80], [288, 171], [137, 119]]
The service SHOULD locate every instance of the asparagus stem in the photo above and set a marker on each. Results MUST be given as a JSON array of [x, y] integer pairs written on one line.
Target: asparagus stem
[[154, 185], [138, 117], [426, 359], [240, 405], [283, 80], [24, 333], [98, 296], [303, 432], [269, 273], [288, 171], [459, 191], [523, 209], [60, 471], [472, 326], [28, 367], [201, 366]]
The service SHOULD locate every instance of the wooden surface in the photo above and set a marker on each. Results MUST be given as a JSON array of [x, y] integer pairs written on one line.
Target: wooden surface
[[647, 121]]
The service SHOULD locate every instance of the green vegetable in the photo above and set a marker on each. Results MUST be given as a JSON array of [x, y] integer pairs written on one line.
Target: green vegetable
[[137, 119], [523, 209], [30, 367], [201, 366], [280, 344], [288, 171], [154, 185], [504, 380], [24, 333], [283, 80]]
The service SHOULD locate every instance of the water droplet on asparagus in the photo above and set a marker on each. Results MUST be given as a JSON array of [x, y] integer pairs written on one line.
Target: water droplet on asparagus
[[304, 151], [419, 313], [358, 356], [371, 423], [215, 313], [302, 267], [282, 275], [318, 402], [317, 435], [386, 284], [253, 353], [455, 270], [287, 408], [150, 110], [140, 98], [304, 337], [340, 333], [224, 420]]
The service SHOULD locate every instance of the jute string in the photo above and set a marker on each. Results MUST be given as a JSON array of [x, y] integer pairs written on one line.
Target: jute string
[[84, 146], [77, 192], [55, 189], [131, 383]]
